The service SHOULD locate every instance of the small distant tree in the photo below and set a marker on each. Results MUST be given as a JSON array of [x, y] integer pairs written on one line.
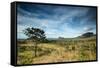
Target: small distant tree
[[36, 35]]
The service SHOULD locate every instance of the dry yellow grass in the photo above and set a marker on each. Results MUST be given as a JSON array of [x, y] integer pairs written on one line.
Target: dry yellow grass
[[52, 53]]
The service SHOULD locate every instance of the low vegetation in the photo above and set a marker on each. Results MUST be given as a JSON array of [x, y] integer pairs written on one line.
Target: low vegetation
[[59, 50]]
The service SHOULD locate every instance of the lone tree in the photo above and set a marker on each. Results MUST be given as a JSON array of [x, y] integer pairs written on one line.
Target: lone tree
[[36, 35]]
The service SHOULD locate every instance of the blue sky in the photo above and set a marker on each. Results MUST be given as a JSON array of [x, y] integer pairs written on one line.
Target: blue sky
[[56, 21]]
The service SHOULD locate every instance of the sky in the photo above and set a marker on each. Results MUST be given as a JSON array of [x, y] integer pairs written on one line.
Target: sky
[[56, 21]]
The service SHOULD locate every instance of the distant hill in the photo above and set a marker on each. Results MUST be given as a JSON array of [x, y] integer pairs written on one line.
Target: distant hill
[[87, 34], [52, 38]]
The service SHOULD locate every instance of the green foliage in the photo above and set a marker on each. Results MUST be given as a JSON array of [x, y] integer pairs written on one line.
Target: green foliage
[[35, 34]]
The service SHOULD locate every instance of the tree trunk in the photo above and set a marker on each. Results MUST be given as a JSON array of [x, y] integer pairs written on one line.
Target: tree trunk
[[35, 52]]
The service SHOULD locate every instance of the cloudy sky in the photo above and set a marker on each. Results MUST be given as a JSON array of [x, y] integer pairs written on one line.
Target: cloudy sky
[[56, 21]]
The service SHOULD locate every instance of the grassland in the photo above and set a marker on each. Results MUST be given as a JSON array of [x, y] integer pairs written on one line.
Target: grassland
[[65, 50]]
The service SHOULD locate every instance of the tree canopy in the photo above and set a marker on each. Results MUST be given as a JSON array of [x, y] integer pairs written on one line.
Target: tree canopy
[[35, 34]]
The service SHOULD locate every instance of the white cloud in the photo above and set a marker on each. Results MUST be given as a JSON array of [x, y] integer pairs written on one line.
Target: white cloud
[[88, 28]]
